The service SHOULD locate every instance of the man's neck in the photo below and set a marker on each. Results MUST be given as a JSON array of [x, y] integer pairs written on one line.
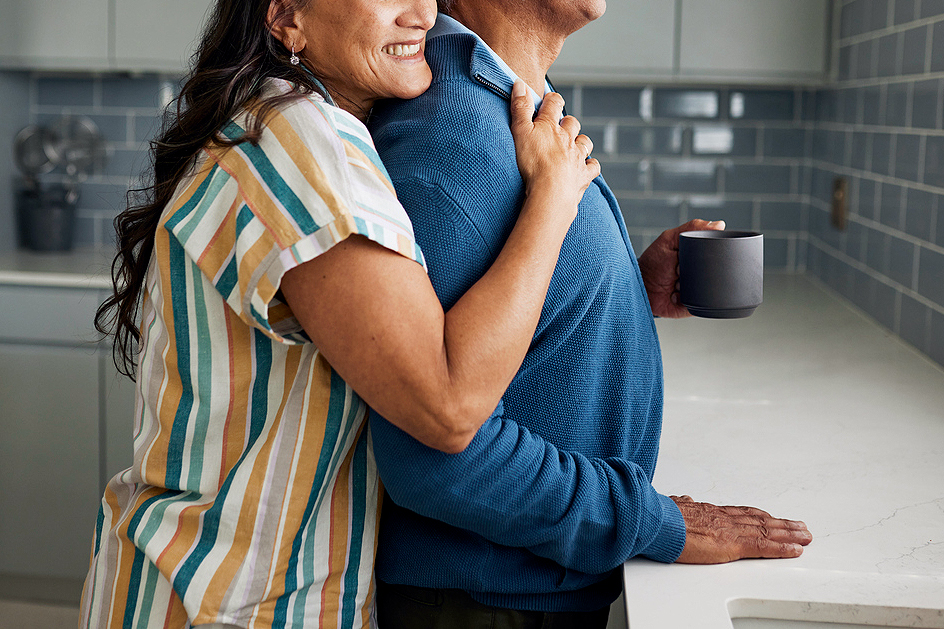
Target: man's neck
[[528, 46]]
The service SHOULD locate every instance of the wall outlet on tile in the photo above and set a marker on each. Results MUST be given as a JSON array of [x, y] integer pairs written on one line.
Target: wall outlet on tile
[[840, 203]]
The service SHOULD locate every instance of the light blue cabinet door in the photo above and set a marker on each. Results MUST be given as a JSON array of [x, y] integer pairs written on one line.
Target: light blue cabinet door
[[158, 36], [49, 459], [60, 34], [754, 39], [767, 41], [118, 429], [634, 38]]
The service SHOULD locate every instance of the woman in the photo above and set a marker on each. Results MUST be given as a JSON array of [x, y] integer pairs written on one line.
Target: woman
[[276, 275]]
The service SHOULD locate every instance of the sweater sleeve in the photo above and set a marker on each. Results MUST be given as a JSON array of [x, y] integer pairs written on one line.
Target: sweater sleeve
[[516, 489]]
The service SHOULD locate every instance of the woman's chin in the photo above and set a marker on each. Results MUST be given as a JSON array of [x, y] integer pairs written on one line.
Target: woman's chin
[[413, 88]]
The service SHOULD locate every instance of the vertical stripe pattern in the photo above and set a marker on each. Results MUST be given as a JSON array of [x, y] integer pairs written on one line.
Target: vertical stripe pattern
[[254, 498]]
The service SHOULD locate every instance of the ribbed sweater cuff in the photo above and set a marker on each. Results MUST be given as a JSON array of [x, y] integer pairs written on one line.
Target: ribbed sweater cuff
[[668, 544]]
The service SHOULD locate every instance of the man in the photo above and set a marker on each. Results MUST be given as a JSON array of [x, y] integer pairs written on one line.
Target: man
[[532, 521]]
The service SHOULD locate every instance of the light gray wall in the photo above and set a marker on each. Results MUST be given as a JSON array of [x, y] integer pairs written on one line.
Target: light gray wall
[[14, 115]]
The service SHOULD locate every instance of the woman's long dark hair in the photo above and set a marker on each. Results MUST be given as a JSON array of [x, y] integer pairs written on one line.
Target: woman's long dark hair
[[236, 54]]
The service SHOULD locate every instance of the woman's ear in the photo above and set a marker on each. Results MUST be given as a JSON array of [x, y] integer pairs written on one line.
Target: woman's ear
[[284, 24]]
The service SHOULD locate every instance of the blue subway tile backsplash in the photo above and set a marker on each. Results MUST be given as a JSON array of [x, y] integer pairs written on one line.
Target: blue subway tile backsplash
[[914, 48], [606, 102], [762, 104], [686, 103], [932, 8], [890, 60], [905, 11], [64, 92], [926, 113]]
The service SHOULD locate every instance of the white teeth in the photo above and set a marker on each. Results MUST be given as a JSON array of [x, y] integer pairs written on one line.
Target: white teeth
[[399, 50]]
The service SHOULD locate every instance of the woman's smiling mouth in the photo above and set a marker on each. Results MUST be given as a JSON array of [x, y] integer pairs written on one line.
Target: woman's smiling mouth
[[402, 50]]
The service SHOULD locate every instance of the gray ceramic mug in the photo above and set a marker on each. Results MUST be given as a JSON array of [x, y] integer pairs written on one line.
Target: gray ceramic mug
[[721, 273]]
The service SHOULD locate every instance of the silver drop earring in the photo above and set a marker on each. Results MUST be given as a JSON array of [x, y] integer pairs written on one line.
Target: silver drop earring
[[294, 60]]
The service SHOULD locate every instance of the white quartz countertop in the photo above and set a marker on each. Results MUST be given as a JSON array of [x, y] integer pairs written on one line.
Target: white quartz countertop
[[812, 412], [74, 269]]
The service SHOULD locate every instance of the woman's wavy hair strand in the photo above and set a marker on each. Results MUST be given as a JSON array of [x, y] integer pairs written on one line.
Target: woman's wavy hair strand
[[237, 52]]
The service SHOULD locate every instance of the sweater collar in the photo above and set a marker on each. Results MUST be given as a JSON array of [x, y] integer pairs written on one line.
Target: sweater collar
[[486, 66]]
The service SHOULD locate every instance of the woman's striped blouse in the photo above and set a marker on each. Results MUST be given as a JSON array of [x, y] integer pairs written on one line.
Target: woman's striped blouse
[[253, 499]]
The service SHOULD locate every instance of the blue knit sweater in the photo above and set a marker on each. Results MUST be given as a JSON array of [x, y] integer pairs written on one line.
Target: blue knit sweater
[[554, 493]]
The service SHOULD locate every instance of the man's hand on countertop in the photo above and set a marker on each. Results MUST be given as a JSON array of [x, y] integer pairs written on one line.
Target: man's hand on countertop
[[716, 534]]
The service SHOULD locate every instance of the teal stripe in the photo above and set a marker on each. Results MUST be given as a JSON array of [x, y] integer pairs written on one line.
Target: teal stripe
[[134, 585], [204, 350], [193, 201], [228, 278], [99, 525], [362, 227], [150, 587], [178, 434], [358, 522], [270, 175], [217, 180], [244, 218]]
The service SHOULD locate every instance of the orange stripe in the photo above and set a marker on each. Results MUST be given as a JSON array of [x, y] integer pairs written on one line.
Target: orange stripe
[[176, 614]]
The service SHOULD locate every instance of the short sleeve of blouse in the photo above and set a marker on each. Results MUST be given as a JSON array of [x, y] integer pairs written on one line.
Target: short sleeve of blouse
[[252, 212]]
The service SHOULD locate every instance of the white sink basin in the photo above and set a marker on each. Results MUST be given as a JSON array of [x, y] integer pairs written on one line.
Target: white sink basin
[[769, 614]]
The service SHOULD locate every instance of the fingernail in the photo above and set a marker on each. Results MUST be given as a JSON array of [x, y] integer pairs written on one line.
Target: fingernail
[[518, 88]]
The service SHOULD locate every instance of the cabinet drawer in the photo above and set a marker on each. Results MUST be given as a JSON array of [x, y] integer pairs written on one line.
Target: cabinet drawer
[[48, 315]]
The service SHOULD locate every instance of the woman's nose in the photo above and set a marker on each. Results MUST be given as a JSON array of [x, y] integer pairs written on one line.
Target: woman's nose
[[418, 14]]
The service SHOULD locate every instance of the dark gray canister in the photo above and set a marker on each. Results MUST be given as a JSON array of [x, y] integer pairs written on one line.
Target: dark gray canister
[[721, 273], [45, 219]]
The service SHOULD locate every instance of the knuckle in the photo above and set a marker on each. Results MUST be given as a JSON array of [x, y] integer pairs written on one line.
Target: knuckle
[[555, 97]]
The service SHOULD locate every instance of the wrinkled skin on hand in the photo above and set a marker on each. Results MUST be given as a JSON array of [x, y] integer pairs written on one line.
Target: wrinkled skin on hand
[[660, 273], [722, 534]]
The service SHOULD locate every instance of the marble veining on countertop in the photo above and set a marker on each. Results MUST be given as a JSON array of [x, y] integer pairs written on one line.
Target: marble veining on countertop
[[88, 268], [813, 412]]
